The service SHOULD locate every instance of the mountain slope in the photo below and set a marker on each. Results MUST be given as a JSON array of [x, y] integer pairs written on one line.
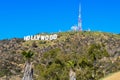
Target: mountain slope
[[52, 56]]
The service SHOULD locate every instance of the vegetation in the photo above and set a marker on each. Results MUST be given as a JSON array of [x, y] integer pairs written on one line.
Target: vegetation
[[91, 55], [55, 65], [28, 70], [28, 55]]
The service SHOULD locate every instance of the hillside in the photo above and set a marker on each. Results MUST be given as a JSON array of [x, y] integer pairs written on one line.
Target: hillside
[[93, 54]]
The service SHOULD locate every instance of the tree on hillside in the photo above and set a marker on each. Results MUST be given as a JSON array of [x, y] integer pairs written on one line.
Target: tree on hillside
[[28, 70]]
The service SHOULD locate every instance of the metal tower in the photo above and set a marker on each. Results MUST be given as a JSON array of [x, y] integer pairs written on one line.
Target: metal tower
[[79, 19]]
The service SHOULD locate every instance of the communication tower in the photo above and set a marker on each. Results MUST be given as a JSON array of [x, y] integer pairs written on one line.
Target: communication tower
[[79, 19]]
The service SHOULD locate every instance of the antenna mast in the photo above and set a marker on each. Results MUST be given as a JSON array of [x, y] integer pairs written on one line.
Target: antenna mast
[[79, 19]]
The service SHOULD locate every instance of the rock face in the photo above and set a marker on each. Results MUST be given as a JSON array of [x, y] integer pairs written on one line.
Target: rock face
[[28, 72]]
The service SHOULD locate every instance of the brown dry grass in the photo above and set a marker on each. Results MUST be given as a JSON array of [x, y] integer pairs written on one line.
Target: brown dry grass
[[115, 76]]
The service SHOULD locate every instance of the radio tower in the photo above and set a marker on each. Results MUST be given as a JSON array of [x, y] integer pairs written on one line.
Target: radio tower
[[79, 19]]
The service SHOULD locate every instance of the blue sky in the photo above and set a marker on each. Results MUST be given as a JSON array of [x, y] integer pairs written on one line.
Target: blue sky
[[19, 18]]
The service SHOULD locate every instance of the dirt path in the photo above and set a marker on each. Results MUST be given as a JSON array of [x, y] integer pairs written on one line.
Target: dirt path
[[115, 76]]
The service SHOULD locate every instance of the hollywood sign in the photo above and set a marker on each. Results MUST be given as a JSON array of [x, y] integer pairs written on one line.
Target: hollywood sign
[[40, 37]]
